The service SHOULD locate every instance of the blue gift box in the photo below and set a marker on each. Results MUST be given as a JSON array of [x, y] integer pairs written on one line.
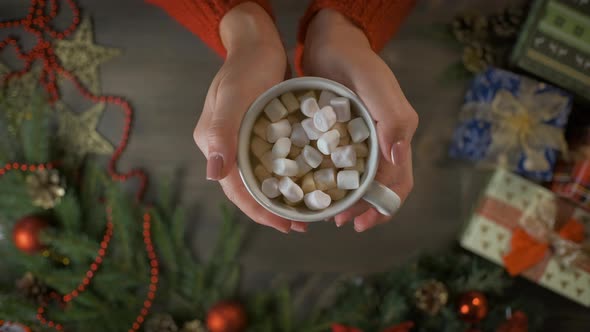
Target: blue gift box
[[513, 122]]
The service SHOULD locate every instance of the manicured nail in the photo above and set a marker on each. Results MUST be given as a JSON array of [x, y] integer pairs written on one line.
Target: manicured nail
[[299, 228], [399, 152], [283, 229], [359, 228], [214, 166], [339, 223]]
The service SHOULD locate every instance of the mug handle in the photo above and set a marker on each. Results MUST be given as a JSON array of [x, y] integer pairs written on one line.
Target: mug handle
[[385, 200]]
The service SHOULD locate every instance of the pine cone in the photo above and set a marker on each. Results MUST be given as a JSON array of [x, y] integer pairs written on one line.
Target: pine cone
[[477, 57], [45, 188], [161, 323], [469, 28], [33, 289], [431, 296], [194, 326], [507, 24]]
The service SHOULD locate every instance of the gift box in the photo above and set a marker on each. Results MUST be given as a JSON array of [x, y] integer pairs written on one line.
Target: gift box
[[572, 181], [555, 44], [533, 233], [514, 122]]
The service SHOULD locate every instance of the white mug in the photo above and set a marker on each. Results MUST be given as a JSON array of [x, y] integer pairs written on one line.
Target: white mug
[[385, 200]]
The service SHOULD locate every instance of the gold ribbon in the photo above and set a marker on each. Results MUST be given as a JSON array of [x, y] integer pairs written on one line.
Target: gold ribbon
[[518, 126]]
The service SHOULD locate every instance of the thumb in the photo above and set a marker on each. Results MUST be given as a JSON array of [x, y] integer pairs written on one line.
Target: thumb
[[396, 120], [221, 136]]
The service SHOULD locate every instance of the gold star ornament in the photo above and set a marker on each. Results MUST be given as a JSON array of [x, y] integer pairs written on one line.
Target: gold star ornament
[[78, 132], [82, 57]]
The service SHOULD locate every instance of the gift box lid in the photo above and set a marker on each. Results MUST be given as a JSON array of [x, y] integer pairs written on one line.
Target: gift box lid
[[555, 44]]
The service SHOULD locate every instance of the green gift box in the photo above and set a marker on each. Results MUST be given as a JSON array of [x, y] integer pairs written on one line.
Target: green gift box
[[555, 44]]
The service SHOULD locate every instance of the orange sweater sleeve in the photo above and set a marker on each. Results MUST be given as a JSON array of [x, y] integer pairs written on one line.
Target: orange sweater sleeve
[[379, 19], [202, 17]]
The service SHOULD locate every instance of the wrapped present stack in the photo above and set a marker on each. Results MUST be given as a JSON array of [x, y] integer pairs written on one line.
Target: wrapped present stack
[[555, 44], [515, 125], [514, 122], [532, 232]]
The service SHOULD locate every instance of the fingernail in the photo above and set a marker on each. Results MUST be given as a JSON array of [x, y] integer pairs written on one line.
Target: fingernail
[[399, 152], [284, 230], [299, 228], [339, 223], [359, 228], [214, 166]]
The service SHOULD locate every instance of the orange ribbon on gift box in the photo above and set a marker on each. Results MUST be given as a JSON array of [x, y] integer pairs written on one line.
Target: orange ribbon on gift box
[[536, 235], [403, 327]]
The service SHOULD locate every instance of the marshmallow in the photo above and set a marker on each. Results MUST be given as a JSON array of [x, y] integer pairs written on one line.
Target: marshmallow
[[308, 94], [261, 173], [309, 107], [299, 136], [325, 98], [281, 148], [275, 111], [266, 160], [295, 152], [358, 130], [307, 183], [327, 163], [312, 156], [348, 180], [285, 167], [341, 107], [293, 204], [290, 190], [259, 146], [312, 132], [328, 142], [317, 200], [270, 188], [343, 156], [260, 127], [359, 166], [336, 194], [361, 149], [325, 179], [302, 166], [291, 103], [277, 130], [324, 119]]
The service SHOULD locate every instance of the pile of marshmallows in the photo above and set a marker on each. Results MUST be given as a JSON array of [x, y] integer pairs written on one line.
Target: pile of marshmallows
[[309, 150]]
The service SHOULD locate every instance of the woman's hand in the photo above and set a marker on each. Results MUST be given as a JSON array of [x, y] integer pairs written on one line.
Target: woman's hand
[[255, 62], [338, 50]]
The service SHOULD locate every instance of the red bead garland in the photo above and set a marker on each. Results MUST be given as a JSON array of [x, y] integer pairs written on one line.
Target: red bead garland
[[37, 23], [104, 245]]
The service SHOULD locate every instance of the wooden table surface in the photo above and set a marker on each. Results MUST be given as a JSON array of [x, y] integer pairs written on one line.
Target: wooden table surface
[[165, 71]]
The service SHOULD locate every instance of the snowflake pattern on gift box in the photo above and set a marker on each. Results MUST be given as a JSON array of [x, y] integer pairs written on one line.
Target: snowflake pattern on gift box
[[498, 107]]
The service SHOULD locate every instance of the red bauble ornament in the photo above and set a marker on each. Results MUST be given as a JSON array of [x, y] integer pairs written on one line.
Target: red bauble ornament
[[519, 322], [25, 234], [227, 316], [472, 307]]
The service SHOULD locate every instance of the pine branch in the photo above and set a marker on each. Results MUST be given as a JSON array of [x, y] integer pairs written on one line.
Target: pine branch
[[68, 213], [35, 133], [165, 247]]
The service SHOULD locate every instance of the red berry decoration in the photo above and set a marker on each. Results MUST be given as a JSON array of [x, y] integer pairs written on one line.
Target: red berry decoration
[[472, 307], [25, 234], [227, 316]]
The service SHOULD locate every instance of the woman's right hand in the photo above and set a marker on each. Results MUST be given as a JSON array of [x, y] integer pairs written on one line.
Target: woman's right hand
[[255, 62]]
